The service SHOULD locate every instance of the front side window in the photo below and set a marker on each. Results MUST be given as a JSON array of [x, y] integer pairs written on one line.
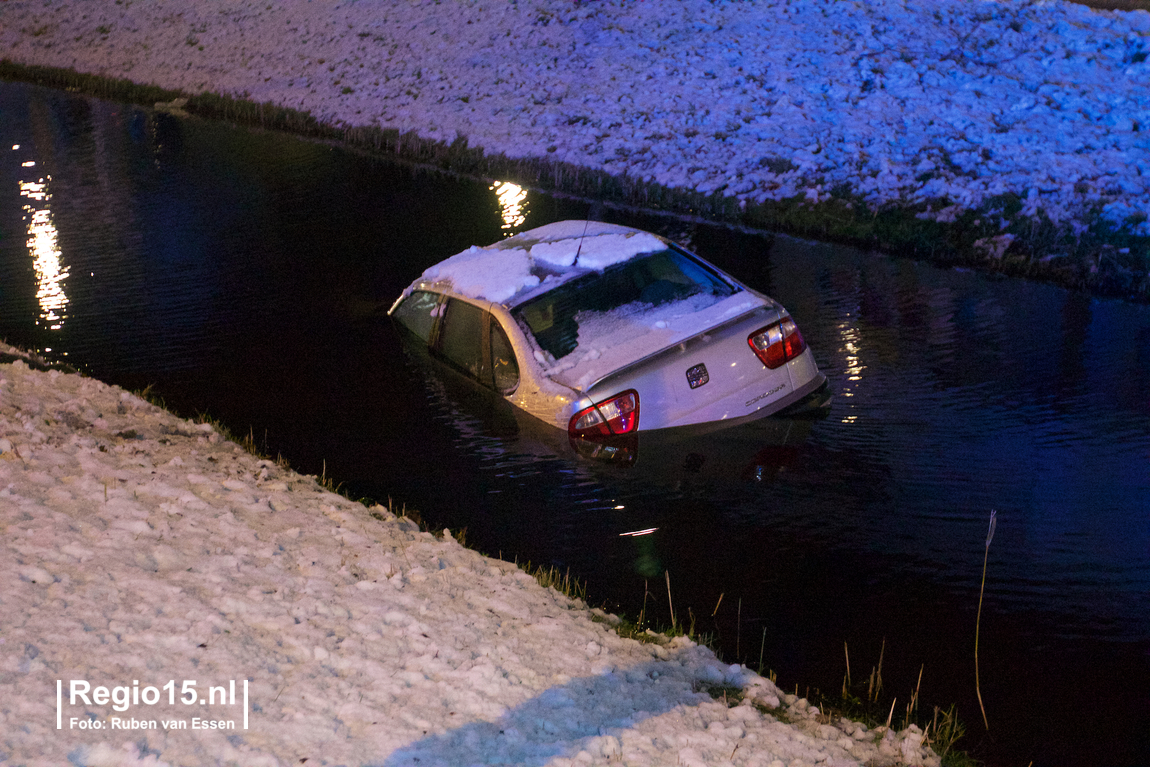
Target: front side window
[[417, 313]]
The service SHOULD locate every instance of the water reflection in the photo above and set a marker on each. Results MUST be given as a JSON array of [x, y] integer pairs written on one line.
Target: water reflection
[[853, 367], [512, 205], [851, 339], [43, 246]]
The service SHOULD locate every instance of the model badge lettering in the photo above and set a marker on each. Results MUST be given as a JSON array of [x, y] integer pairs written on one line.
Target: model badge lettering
[[764, 395]]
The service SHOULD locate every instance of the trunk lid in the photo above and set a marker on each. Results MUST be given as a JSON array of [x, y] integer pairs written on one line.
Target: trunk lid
[[711, 375]]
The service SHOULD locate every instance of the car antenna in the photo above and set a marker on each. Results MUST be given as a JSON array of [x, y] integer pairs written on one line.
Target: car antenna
[[578, 250]]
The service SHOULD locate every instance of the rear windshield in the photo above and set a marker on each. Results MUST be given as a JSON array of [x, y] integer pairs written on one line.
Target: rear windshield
[[595, 300]]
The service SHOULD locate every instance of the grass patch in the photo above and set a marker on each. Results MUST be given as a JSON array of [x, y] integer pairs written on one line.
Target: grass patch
[[864, 702], [563, 582], [629, 629], [730, 696]]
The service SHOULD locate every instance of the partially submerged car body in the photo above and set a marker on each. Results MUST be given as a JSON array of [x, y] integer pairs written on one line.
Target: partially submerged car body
[[600, 330]]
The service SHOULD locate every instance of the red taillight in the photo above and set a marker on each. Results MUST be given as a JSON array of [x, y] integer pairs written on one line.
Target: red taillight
[[777, 344], [617, 415]]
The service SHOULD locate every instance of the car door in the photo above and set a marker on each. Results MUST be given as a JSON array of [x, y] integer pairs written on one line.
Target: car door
[[472, 342]]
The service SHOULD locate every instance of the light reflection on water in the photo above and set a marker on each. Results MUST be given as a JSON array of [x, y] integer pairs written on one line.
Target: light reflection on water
[[245, 276], [43, 247], [512, 205]]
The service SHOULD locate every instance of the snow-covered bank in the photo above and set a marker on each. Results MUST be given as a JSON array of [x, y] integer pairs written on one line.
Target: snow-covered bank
[[900, 102], [142, 549]]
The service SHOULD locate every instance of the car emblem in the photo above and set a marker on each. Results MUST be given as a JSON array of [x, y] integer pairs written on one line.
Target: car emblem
[[697, 376]]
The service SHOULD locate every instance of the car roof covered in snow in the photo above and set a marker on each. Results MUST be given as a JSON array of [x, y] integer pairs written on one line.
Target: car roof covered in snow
[[512, 270]]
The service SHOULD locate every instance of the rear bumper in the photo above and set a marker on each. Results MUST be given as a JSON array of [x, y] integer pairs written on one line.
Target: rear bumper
[[812, 399], [809, 400]]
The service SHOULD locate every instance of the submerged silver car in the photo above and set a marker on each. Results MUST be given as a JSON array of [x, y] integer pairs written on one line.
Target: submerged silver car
[[603, 330]]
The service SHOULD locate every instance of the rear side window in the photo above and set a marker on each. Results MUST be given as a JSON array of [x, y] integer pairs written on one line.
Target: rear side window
[[417, 313], [461, 339]]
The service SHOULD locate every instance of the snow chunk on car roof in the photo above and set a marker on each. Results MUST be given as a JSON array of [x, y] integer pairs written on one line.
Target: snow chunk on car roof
[[501, 271], [477, 274], [594, 252]]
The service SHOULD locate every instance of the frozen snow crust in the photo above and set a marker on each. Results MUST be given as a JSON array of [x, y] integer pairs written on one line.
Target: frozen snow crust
[[1022, 111], [140, 547]]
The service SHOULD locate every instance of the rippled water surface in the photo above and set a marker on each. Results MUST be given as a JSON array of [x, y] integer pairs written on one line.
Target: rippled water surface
[[246, 276]]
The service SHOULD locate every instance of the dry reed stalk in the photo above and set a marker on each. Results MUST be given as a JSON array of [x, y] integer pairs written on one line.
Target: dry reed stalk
[[978, 620], [739, 629], [643, 612], [762, 647], [913, 705]]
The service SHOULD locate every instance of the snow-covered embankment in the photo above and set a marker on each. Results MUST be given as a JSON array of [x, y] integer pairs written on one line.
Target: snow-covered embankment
[[951, 103]]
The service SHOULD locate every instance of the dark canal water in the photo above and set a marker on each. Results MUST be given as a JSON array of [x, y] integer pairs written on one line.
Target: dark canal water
[[246, 276]]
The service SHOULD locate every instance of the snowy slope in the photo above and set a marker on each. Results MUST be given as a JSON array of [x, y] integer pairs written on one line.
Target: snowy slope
[[950, 100], [141, 549]]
